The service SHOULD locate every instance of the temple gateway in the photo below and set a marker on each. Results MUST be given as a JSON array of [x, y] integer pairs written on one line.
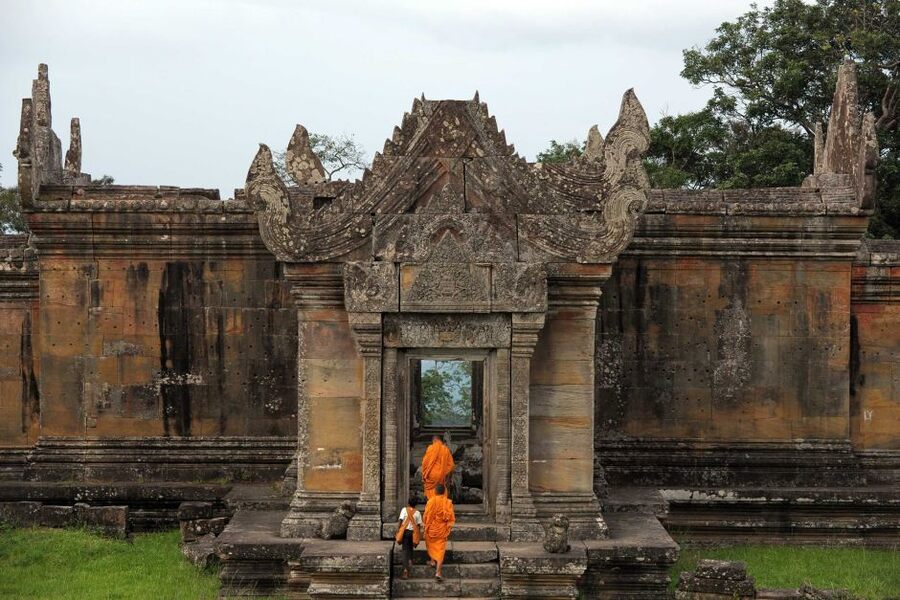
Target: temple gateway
[[609, 364]]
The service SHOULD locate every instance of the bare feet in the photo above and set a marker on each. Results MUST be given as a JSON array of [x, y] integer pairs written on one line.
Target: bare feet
[[431, 563]]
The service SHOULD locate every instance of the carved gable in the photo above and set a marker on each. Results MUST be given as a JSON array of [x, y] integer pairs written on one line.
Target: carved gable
[[448, 158]]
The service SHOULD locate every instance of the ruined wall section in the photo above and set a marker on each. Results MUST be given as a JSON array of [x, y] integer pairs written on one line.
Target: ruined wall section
[[875, 347], [161, 315], [724, 339], [19, 395]]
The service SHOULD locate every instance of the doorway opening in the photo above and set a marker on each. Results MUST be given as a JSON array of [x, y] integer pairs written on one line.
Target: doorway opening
[[447, 399]]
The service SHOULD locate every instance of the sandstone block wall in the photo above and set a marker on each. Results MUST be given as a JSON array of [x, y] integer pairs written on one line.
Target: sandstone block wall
[[875, 347], [144, 313]]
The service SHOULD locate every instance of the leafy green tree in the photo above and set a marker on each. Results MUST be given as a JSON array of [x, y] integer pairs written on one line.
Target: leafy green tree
[[339, 154], [773, 72], [447, 393], [561, 152], [11, 219]]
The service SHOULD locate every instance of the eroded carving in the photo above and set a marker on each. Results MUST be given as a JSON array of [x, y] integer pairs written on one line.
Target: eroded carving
[[371, 287], [446, 331]]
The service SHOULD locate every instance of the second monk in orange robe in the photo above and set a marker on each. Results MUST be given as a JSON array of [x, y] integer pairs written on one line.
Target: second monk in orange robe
[[439, 519], [436, 466]]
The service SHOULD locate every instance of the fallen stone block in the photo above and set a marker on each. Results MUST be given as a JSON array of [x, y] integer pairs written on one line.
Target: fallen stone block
[[202, 551]]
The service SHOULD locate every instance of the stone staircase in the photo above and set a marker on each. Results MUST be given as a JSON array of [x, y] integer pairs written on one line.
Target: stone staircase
[[471, 570]]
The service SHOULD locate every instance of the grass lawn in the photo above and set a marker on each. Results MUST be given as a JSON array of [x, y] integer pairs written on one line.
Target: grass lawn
[[872, 574], [74, 564]]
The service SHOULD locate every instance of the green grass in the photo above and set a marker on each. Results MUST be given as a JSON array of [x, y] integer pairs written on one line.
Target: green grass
[[872, 574], [75, 564]]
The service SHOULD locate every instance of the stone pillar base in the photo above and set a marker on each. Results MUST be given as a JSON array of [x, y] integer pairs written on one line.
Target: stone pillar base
[[364, 527], [528, 571], [581, 508], [308, 511], [523, 523]]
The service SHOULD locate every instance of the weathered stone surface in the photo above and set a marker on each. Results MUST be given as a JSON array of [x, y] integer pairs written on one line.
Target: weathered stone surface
[[716, 579], [301, 162], [444, 331], [202, 551], [556, 538], [335, 526], [371, 287]]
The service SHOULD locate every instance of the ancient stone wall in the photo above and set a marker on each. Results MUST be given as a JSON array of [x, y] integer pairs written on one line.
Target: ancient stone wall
[[725, 329], [157, 313], [19, 369], [875, 347]]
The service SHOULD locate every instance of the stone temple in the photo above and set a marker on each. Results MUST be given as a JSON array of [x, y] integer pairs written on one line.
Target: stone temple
[[717, 365]]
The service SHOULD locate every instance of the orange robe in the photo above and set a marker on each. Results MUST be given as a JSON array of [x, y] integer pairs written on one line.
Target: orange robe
[[436, 467], [439, 519]]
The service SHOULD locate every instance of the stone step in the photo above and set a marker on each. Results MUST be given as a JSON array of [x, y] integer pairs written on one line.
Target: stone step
[[465, 571], [457, 552], [450, 587], [484, 532]]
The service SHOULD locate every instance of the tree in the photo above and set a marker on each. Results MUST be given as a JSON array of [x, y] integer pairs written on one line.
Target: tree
[[773, 73], [11, 219], [561, 152], [339, 154], [447, 393]]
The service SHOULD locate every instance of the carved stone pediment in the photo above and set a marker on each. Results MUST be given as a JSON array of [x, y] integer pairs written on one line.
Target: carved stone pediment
[[447, 188]]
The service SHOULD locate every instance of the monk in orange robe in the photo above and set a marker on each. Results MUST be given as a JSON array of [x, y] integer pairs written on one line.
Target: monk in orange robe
[[439, 519], [436, 466]]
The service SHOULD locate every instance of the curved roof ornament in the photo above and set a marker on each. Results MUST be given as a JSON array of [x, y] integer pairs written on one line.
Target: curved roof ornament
[[450, 156]]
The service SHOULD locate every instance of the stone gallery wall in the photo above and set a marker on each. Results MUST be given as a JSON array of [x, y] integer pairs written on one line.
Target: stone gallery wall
[[875, 347], [156, 313], [727, 337]]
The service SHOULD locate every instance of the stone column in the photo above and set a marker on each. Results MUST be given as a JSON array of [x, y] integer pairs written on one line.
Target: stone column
[[366, 525], [500, 409], [316, 290], [524, 525], [391, 505]]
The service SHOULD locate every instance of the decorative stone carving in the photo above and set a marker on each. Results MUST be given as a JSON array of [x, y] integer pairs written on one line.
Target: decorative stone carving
[[335, 526], [583, 210], [446, 331], [556, 539], [73, 155], [371, 287], [456, 287], [301, 162], [447, 238], [518, 287], [848, 154]]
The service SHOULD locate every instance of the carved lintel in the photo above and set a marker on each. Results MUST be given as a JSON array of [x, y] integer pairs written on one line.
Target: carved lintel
[[446, 288], [446, 331]]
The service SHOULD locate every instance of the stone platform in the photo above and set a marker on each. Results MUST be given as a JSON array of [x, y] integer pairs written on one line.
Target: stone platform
[[632, 563]]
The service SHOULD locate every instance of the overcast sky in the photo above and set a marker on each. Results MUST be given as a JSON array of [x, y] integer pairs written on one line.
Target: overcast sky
[[179, 92]]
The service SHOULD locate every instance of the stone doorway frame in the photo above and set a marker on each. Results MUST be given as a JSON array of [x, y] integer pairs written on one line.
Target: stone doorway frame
[[404, 406], [485, 337]]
